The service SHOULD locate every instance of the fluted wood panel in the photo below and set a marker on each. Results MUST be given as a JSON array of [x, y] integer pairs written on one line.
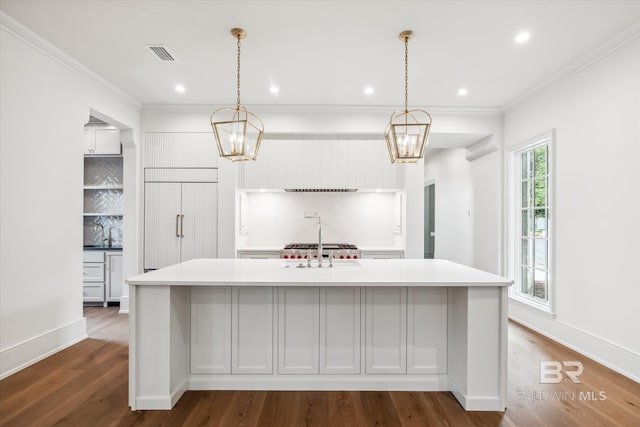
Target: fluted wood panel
[[199, 236], [321, 163], [180, 150], [181, 175], [161, 205]]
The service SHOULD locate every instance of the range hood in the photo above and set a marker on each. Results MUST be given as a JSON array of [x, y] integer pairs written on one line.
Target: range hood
[[320, 190]]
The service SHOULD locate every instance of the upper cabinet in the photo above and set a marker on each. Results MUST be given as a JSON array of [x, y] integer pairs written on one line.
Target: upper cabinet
[[180, 150], [321, 162], [101, 140]]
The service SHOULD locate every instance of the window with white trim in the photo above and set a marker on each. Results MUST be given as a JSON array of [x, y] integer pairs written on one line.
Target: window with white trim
[[530, 246]]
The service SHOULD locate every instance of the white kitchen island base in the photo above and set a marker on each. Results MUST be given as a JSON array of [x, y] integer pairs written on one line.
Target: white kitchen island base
[[419, 325]]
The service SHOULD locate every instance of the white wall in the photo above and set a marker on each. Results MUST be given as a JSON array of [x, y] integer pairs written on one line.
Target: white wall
[[595, 114], [450, 171], [274, 219], [43, 107]]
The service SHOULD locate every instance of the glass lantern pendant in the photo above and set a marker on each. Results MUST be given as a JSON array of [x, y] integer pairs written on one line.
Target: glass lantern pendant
[[407, 131], [238, 132]]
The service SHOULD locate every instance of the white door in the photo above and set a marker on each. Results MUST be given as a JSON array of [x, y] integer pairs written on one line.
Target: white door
[[386, 330], [340, 330], [161, 224], [298, 318], [210, 330], [199, 220], [427, 331], [114, 281], [252, 330]]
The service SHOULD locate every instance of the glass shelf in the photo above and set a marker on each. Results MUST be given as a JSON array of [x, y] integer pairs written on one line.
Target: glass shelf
[[101, 214]]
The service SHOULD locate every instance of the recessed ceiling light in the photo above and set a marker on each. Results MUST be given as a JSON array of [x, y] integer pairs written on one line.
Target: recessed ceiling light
[[368, 90], [274, 89], [523, 37], [462, 91], [180, 89]]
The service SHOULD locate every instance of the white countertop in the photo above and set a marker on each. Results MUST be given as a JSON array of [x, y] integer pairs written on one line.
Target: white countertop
[[272, 272]]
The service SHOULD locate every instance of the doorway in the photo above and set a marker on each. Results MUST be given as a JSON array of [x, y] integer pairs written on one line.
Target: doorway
[[429, 221]]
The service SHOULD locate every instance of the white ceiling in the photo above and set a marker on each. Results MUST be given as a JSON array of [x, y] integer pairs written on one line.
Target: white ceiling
[[326, 52]]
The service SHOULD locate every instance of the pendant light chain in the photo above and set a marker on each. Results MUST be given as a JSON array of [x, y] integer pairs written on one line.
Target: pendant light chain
[[406, 74], [238, 78]]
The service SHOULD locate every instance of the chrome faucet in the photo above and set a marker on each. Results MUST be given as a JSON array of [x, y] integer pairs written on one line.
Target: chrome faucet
[[314, 215]]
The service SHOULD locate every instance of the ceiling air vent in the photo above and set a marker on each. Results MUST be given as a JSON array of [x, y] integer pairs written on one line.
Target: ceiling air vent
[[320, 190], [161, 53]]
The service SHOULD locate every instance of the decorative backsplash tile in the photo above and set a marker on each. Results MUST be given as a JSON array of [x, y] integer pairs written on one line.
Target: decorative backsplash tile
[[103, 171], [103, 201]]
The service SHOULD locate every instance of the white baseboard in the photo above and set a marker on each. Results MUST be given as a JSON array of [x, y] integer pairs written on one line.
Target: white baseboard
[[159, 402], [431, 382], [18, 357], [615, 357], [124, 305]]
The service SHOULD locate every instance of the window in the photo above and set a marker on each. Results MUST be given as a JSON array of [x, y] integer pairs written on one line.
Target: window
[[530, 202]]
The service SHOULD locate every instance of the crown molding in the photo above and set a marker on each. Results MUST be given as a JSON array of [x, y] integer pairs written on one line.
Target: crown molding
[[39, 44], [575, 67], [319, 109]]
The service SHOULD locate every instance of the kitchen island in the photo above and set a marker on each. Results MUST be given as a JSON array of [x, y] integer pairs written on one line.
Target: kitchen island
[[266, 324]]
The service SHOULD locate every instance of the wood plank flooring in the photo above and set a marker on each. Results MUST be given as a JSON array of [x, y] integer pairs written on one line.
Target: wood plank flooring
[[86, 385]]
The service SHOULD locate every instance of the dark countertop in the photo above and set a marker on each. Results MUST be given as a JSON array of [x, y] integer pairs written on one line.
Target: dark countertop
[[102, 248]]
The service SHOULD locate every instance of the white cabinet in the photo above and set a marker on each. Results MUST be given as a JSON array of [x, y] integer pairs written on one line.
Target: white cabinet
[[101, 276], [210, 330], [93, 272], [101, 140], [427, 331], [181, 220], [386, 330], [113, 284], [340, 330], [252, 330], [382, 253], [93, 277], [257, 253], [298, 317]]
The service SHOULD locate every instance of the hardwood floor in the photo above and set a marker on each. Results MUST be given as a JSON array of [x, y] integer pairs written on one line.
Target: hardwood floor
[[86, 385]]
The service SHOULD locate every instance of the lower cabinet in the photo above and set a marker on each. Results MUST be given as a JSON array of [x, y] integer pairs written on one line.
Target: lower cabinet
[[102, 277], [93, 277], [385, 330], [298, 326], [252, 330], [318, 330], [340, 335], [113, 289], [211, 330]]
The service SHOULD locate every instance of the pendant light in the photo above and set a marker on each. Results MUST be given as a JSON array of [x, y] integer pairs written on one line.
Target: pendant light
[[238, 132], [407, 131]]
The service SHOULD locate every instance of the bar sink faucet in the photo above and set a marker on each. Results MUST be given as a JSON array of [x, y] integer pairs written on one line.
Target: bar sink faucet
[[314, 215], [95, 230]]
